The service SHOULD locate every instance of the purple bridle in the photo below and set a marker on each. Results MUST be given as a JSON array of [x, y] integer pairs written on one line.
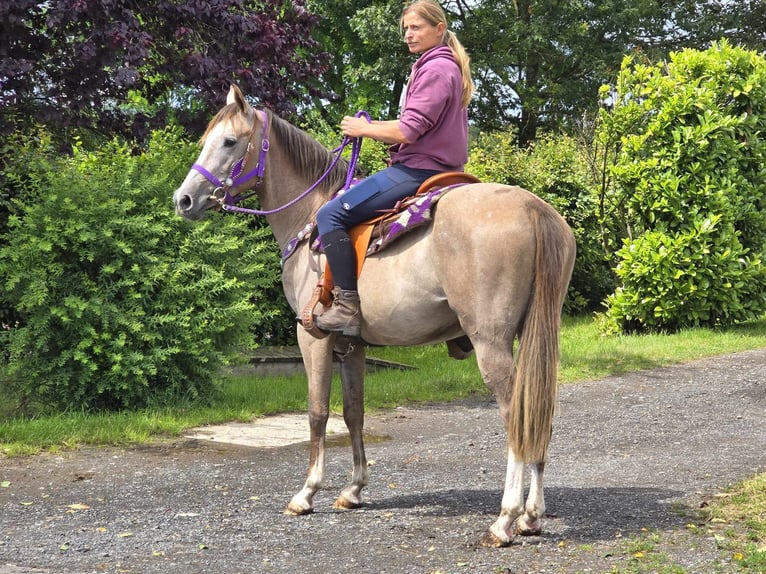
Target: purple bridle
[[236, 177], [228, 202]]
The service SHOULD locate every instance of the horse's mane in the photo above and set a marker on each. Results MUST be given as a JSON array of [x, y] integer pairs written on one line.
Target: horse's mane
[[309, 158]]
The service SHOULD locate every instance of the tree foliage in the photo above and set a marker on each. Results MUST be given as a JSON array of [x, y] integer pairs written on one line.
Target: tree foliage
[[537, 65], [534, 64], [124, 67], [687, 204], [697, 24], [371, 61], [117, 302], [540, 64]]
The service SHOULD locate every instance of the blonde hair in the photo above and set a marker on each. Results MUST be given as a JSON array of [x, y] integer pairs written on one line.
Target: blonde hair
[[432, 12]]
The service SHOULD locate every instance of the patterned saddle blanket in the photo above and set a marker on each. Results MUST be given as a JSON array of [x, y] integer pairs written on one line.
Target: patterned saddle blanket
[[407, 215]]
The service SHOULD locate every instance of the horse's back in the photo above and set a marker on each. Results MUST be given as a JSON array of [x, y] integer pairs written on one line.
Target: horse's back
[[475, 264]]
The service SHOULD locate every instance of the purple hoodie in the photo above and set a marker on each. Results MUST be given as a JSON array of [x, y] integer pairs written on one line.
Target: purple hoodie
[[433, 117]]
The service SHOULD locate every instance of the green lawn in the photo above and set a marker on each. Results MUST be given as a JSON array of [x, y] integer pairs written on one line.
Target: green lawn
[[585, 355]]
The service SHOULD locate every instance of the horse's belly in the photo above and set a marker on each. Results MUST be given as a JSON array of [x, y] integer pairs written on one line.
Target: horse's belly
[[403, 302]]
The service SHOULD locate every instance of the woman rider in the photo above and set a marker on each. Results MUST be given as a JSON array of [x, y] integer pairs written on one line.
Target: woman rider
[[430, 137]]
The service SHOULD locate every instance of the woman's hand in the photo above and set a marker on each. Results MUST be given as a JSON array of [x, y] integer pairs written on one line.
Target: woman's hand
[[354, 127]]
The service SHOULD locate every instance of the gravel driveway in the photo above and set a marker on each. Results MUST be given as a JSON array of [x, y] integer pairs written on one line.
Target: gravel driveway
[[628, 453]]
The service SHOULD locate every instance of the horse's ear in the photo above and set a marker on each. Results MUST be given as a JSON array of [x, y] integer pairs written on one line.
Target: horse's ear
[[235, 97]]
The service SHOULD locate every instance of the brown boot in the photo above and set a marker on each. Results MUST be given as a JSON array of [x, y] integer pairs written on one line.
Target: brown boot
[[343, 316]]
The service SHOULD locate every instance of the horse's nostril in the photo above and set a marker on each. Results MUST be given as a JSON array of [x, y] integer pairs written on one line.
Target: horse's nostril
[[184, 203]]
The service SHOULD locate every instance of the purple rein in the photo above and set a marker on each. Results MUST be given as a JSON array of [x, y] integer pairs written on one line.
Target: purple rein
[[228, 202]]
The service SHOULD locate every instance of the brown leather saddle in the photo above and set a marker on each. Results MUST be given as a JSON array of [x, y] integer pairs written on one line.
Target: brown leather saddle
[[360, 236]]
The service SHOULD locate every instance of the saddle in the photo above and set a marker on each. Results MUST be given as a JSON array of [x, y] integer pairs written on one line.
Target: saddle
[[360, 237]]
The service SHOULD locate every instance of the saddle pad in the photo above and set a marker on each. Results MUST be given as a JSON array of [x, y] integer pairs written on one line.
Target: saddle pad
[[408, 214], [418, 212]]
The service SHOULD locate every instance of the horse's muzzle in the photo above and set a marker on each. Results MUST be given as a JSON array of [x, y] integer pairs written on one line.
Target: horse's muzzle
[[190, 207]]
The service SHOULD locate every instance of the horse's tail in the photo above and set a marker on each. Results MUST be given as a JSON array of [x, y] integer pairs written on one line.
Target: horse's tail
[[534, 391]]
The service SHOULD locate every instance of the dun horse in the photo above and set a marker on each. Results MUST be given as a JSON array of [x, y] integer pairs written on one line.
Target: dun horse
[[493, 266]]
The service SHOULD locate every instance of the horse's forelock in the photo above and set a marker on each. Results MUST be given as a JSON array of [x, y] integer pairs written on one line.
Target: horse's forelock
[[226, 114]]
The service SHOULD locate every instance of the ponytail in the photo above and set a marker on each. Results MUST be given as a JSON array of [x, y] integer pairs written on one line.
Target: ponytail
[[461, 56]]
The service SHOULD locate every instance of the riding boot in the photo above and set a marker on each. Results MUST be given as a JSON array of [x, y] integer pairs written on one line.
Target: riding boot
[[343, 316]]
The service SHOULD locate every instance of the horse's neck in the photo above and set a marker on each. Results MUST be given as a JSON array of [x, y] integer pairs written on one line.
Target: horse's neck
[[283, 183]]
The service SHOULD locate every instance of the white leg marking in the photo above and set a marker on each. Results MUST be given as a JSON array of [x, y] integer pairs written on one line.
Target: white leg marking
[[303, 502], [530, 523], [513, 500]]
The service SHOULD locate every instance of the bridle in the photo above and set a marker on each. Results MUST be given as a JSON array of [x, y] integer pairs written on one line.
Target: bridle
[[228, 202], [221, 193]]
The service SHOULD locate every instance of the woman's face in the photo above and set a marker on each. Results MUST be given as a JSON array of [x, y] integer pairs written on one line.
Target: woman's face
[[419, 34]]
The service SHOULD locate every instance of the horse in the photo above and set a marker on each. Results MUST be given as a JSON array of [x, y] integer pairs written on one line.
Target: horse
[[493, 266]]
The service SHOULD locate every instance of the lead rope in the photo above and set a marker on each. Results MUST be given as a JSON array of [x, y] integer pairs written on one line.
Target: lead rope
[[228, 202]]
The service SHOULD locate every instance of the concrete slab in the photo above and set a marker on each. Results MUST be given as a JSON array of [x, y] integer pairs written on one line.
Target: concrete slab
[[266, 432], [286, 361]]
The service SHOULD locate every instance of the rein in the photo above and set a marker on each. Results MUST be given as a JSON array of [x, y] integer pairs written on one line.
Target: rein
[[228, 202]]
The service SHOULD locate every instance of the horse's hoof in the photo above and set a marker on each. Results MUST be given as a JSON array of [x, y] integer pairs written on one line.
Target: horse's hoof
[[491, 540], [524, 528], [344, 504], [297, 510]]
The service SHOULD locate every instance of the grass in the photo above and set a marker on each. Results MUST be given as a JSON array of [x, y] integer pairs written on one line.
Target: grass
[[585, 355], [735, 520], [739, 520]]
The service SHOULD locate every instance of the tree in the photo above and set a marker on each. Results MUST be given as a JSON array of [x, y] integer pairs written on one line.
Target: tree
[[695, 24], [536, 64], [540, 64], [122, 67], [371, 62], [687, 203]]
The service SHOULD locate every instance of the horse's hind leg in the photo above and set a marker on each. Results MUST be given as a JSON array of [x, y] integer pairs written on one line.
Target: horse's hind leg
[[495, 361], [497, 369], [317, 358], [352, 377], [530, 523]]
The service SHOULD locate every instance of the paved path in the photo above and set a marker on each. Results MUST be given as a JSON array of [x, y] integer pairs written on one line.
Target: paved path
[[627, 452]]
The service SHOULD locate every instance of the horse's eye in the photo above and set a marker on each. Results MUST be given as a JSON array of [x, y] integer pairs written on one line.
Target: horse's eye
[[229, 141]]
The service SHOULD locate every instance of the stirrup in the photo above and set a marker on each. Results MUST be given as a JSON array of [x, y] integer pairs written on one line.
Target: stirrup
[[307, 315]]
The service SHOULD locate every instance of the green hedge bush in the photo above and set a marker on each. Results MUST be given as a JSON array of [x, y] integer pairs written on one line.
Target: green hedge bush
[[119, 303], [689, 190]]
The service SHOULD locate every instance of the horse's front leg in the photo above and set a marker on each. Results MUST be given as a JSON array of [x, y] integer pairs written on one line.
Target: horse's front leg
[[317, 359], [352, 377]]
